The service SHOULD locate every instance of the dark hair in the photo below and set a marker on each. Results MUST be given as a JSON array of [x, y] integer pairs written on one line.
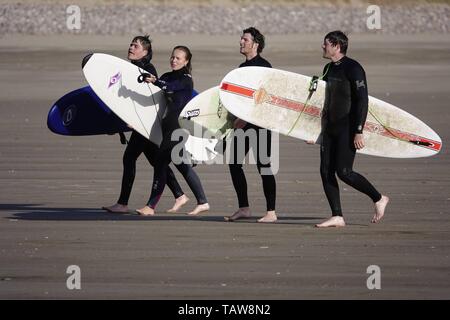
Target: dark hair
[[338, 37], [146, 44], [257, 37], [188, 54]]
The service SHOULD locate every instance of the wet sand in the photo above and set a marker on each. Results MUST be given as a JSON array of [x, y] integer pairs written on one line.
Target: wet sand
[[53, 186]]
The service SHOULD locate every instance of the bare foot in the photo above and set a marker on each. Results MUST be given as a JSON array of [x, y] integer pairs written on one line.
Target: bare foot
[[117, 208], [269, 217], [241, 213], [335, 221], [146, 211], [179, 202], [380, 207], [198, 209]]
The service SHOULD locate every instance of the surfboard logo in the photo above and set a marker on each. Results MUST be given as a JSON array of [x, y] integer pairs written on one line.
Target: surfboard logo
[[114, 79], [376, 129], [360, 84], [69, 115], [260, 96], [192, 113]]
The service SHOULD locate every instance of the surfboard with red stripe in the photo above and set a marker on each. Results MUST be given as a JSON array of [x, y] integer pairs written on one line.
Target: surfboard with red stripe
[[278, 100]]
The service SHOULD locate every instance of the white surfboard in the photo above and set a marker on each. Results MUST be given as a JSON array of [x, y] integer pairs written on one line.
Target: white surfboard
[[141, 105], [275, 99], [205, 116]]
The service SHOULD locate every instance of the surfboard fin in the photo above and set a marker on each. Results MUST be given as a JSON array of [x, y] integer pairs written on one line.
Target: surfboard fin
[[85, 60]]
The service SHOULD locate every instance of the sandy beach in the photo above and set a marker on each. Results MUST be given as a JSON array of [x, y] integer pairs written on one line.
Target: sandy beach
[[54, 186]]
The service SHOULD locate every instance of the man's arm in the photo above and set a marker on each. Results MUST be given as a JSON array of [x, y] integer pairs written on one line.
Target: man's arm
[[360, 97], [360, 102]]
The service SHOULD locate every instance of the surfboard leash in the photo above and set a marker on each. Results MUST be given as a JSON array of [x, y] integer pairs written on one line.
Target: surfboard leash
[[140, 80], [416, 142], [312, 88], [144, 75]]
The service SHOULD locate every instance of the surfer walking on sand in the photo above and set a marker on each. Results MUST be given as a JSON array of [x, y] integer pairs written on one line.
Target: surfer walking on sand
[[344, 115], [251, 45], [177, 86], [140, 54]]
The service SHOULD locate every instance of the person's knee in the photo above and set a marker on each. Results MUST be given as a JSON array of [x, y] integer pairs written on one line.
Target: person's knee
[[344, 174], [324, 173], [183, 168], [128, 159]]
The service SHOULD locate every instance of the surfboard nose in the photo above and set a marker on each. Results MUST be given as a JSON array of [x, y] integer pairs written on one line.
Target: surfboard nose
[[85, 60]]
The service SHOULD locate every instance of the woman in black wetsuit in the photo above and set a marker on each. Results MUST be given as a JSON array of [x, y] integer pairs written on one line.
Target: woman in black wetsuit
[[177, 86], [140, 54]]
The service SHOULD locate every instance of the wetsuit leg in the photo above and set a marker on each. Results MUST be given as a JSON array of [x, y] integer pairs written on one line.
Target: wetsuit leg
[[328, 173], [193, 181], [159, 177], [237, 173], [262, 156], [344, 167], [150, 152], [134, 149], [163, 159]]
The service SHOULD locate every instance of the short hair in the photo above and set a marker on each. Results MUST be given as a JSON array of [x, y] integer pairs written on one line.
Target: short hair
[[258, 37], [338, 37], [146, 44]]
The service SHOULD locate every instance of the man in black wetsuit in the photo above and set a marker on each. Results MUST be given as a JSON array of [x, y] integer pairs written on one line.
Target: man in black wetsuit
[[140, 54], [251, 45], [343, 118]]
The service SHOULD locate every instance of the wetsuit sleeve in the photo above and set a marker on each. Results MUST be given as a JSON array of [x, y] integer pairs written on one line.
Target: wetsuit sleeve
[[360, 96], [174, 85], [152, 70], [146, 65], [325, 71], [323, 121], [323, 115]]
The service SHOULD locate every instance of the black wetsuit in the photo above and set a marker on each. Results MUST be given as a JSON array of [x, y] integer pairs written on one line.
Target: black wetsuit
[[344, 114], [178, 87], [236, 171], [138, 145]]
